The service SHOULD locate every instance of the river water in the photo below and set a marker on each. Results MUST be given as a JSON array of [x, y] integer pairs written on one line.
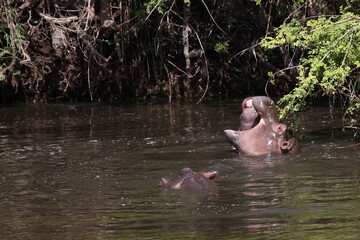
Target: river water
[[92, 172]]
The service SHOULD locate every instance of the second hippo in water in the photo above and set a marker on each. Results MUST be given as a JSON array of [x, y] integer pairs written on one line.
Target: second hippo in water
[[190, 180], [260, 131]]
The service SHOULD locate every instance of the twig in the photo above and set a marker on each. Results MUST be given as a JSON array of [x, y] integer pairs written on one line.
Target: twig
[[187, 74], [152, 10], [268, 20], [343, 21], [348, 19], [88, 78], [274, 69], [27, 5], [287, 18], [245, 50], [170, 82], [173, 64], [207, 9], [337, 42], [353, 145], [351, 127], [66, 20]]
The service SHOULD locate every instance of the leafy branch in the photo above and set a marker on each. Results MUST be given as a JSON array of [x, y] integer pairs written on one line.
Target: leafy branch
[[330, 65], [15, 44]]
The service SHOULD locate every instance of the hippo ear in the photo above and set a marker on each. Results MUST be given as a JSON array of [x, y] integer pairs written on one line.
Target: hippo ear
[[210, 175], [163, 182]]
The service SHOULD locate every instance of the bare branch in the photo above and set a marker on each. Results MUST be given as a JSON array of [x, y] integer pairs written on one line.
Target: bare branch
[[337, 42], [273, 68], [152, 10], [290, 15], [53, 20], [245, 50], [207, 9], [353, 145]]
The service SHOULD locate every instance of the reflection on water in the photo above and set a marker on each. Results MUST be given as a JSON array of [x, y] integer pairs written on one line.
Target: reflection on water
[[92, 172]]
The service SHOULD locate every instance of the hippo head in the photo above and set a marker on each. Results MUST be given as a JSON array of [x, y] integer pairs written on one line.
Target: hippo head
[[188, 179], [260, 131]]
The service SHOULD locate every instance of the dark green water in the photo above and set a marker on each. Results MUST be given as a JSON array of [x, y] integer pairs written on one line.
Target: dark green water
[[93, 172]]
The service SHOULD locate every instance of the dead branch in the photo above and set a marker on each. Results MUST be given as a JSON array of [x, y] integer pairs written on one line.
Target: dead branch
[[273, 68], [351, 127], [296, 10], [152, 10], [349, 146], [28, 4], [212, 18], [242, 52], [174, 65], [60, 21]]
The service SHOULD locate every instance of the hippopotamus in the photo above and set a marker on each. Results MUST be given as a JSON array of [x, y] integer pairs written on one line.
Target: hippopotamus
[[190, 180], [260, 131]]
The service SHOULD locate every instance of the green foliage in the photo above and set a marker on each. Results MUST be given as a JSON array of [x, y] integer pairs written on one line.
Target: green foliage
[[11, 31], [232, 23], [12, 40], [271, 77], [160, 5], [221, 47], [331, 61], [150, 5]]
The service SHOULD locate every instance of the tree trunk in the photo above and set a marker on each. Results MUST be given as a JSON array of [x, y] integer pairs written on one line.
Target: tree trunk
[[185, 39]]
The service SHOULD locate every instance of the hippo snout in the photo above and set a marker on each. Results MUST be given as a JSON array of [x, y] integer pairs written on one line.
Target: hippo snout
[[230, 133]]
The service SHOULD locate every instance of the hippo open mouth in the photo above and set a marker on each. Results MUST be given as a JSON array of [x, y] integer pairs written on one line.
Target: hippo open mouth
[[260, 131], [250, 117]]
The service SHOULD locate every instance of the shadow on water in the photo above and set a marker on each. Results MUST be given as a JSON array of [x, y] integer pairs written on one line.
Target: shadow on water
[[92, 172]]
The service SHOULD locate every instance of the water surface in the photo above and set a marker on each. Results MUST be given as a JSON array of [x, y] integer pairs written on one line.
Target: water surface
[[92, 173]]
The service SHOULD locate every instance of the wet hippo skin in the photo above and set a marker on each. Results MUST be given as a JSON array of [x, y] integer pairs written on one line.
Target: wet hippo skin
[[260, 131], [190, 180]]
